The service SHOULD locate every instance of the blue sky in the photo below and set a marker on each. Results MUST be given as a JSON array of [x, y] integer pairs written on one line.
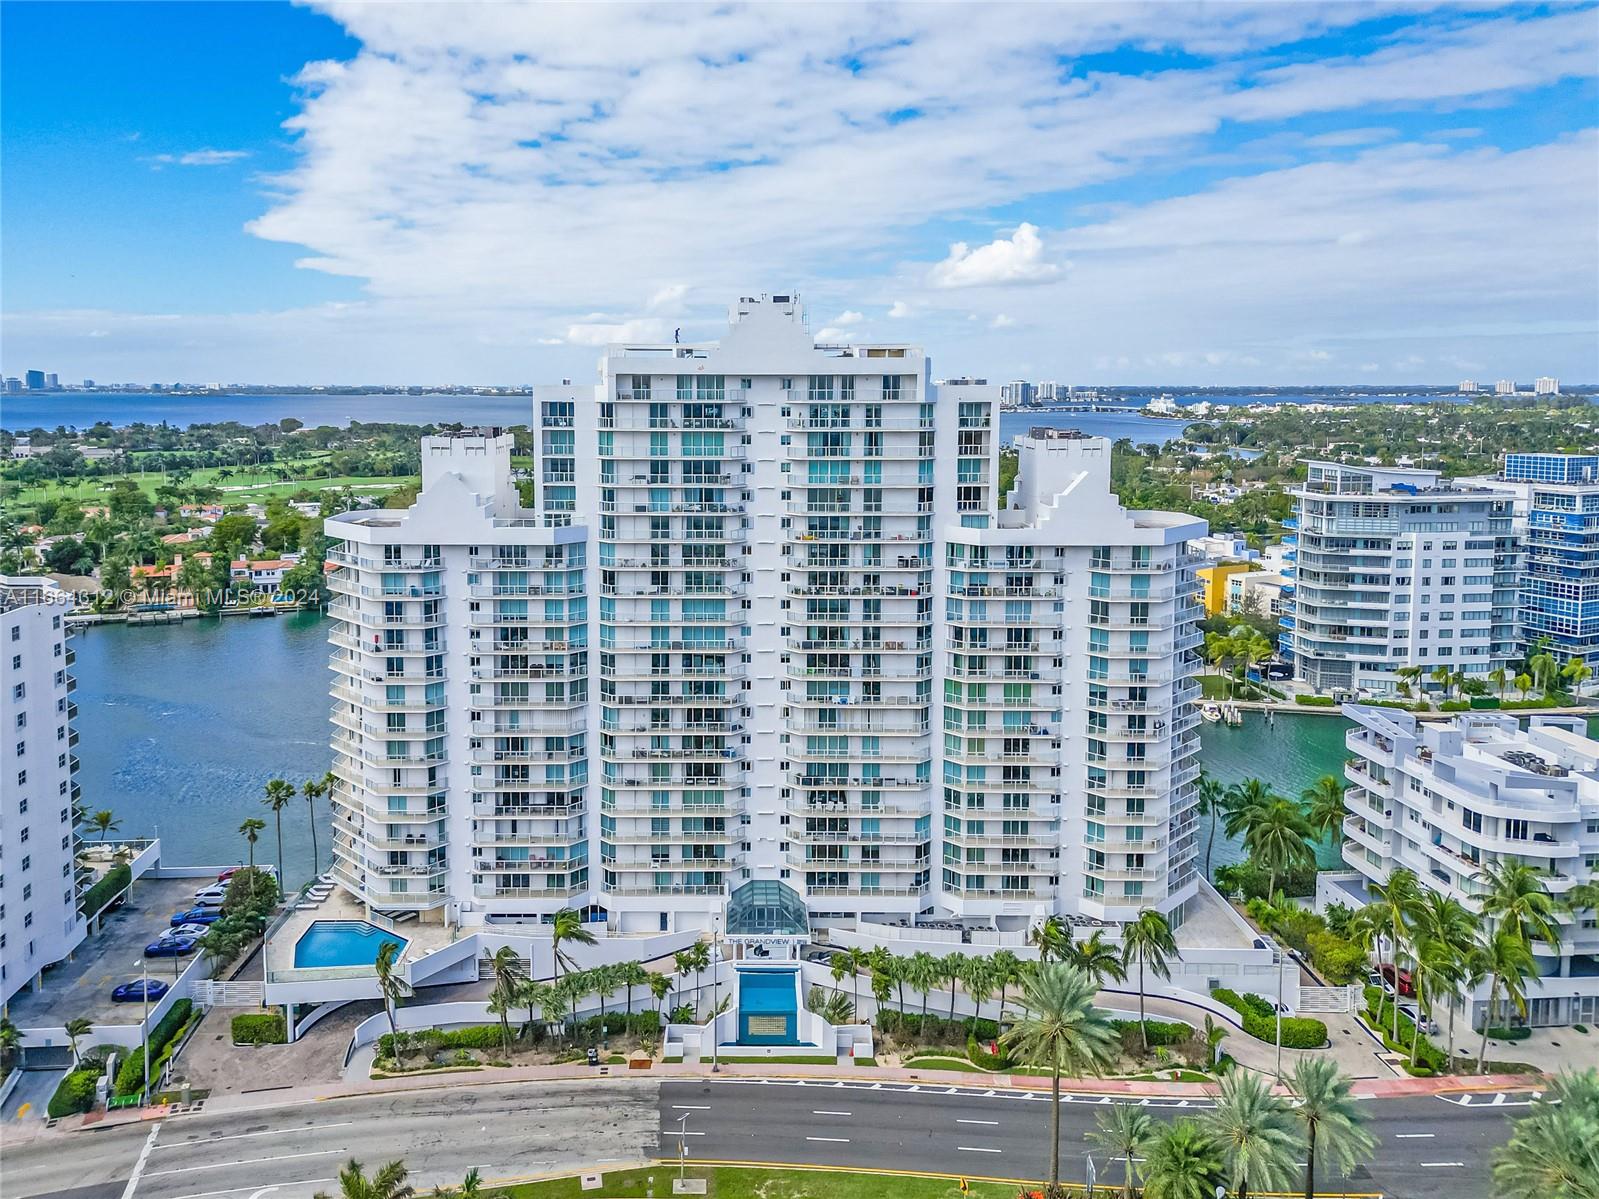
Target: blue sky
[[425, 193]]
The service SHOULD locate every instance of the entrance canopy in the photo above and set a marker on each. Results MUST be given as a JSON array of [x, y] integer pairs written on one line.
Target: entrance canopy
[[765, 909]]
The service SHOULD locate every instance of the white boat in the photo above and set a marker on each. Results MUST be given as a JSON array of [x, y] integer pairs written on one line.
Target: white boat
[[1210, 712]]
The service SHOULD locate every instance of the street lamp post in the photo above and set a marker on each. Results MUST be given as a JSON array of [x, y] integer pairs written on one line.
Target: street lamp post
[[682, 1145], [716, 991], [144, 974], [1280, 956]]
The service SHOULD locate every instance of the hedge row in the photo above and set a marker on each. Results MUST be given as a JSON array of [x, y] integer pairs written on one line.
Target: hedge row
[[934, 1028], [1509, 1034], [260, 1028], [1260, 1021], [489, 1036], [1160, 1032], [1314, 701], [1429, 1058], [163, 1039], [74, 1094], [116, 880]]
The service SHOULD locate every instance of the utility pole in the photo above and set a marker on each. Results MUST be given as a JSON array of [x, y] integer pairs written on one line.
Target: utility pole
[[716, 991], [144, 973], [1280, 956], [682, 1145]]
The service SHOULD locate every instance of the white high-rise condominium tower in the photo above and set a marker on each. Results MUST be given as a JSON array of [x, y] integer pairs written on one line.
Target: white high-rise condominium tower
[[1546, 386], [1400, 570], [766, 623], [39, 920]]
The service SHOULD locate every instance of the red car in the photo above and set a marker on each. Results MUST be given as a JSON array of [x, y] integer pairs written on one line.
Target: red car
[[1406, 986]]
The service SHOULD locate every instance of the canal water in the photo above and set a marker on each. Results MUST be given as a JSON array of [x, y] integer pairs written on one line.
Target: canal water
[[184, 724]]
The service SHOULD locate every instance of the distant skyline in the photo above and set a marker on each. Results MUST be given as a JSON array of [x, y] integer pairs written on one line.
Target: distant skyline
[[415, 193]]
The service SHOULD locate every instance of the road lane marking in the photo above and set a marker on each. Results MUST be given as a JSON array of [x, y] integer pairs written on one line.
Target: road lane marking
[[1439, 1165], [1413, 1136], [239, 1136], [824, 1112], [676, 1132], [138, 1166], [976, 1149], [691, 1107], [977, 1121], [248, 1162], [298, 1182], [834, 1140]]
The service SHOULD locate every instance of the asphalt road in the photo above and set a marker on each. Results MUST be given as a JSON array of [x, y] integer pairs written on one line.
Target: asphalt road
[[1428, 1148]]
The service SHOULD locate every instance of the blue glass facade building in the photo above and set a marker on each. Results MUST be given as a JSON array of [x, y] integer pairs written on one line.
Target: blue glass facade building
[[1559, 596]]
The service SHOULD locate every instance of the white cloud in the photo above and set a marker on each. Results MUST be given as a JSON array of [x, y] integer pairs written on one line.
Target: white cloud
[[848, 317], [834, 335], [198, 158], [899, 310], [668, 299], [1005, 260], [646, 329], [1001, 321]]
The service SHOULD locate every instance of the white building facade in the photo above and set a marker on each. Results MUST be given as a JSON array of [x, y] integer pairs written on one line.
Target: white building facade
[[1399, 568], [1444, 799], [765, 622], [39, 920]]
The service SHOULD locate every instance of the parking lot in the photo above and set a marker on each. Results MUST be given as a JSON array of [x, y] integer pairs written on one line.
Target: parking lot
[[82, 987]]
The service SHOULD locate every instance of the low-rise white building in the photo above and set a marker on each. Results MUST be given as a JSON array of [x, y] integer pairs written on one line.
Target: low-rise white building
[[1445, 799]]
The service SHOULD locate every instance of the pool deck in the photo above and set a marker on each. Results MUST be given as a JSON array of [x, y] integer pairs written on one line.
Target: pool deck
[[420, 938]]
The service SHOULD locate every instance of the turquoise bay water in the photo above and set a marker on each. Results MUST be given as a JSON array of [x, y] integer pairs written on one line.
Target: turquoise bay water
[[184, 724]]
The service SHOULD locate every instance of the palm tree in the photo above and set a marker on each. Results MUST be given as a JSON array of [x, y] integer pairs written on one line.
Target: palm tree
[[531, 994], [387, 1183], [1148, 939], [1098, 959], [699, 954], [1212, 803], [1523, 683], [508, 974], [605, 980], [632, 974], [391, 987], [1052, 935], [838, 968], [1277, 839], [1505, 962], [1544, 670], [1446, 936], [279, 795], [1333, 1120], [1576, 672], [104, 823], [10, 1038], [1553, 1149], [923, 974], [1517, 898], [1059, 1028], [683, 963], [660, 988], [1324, 805], [1123, 1130], [1182, 1162], [79, 1027], [313, 790], [1254, 1131], [856, 960], [891, 968], [1498, 676], [1007, 971], [1392, 911], [950, 967], [567, 925], [250, 830], [1442, 675], [978, 977]]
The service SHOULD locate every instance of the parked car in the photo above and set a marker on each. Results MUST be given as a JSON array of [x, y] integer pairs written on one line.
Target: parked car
[[211, 897], [170, 947], [135, 992], [185, 930], [196, 916], [1398, 980], [1413, 1013]]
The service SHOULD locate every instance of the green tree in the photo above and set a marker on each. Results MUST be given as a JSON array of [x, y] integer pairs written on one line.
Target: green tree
[[508, 973], [313, 790], [1515, 897], [1212, 804], [632, 974], [1554, 1149], [1391, 913], [1098, 959], [1324, 806], [1052, 936], [75, 1028], [856, 960], [1123, 1131], [392, 988], [1060, 1030], [566, 928], [387, 1183], [105, 823], [250, 830], [923, 973], [1254, 1131], [1333, 1121], [1182, 1162], [1007, 969], [1149, 942], [1576, 672], [1506, 962], [279, 795], [1277, 838], [978, 977], [1446, 936], [950, 967], [660, 988]]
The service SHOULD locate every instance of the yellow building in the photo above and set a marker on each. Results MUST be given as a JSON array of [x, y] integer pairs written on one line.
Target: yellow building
[[1213, 580]]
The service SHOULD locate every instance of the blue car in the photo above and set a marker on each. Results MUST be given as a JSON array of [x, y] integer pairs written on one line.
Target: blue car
[[170, 947], [196, 916], [134, 992]]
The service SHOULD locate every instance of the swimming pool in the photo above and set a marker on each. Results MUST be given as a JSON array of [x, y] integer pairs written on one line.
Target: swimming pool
[[342, 943]]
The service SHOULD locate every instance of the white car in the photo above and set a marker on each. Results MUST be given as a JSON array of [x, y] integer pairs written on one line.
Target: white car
[[211, 897], [186, 930]]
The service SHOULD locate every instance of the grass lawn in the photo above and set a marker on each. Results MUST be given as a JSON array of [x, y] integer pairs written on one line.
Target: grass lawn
[[738, 1182], [242, 486], [1214, 686]]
